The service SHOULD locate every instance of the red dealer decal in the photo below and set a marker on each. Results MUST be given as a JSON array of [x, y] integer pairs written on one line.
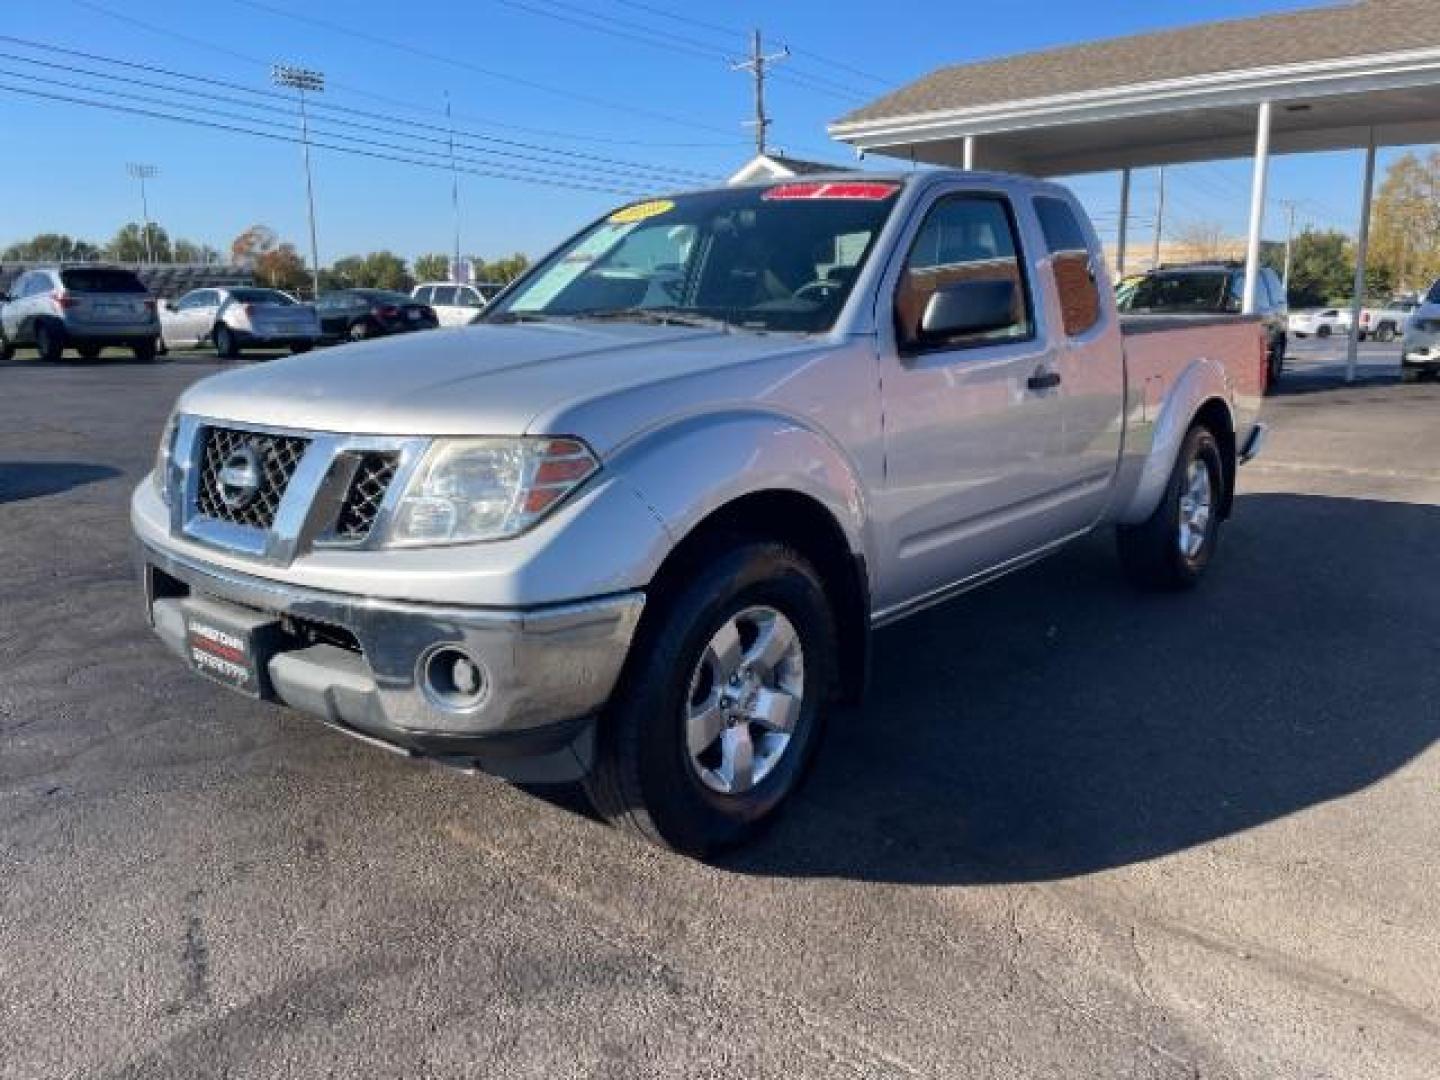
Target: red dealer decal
[[846, 190]]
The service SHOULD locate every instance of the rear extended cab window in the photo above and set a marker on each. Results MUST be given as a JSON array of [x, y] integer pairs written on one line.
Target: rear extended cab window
[[1070, 264]]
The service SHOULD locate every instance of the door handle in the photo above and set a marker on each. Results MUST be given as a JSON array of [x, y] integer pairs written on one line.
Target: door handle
[[1043, 380]]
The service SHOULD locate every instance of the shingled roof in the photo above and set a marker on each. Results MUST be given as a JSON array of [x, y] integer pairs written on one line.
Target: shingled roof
[[1330, 33]]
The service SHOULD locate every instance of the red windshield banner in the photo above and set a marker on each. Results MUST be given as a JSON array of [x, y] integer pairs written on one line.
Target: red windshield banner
[[850, 189]]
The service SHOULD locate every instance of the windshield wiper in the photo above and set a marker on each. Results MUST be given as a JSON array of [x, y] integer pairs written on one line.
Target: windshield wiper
[[516, 316], [656, 316]]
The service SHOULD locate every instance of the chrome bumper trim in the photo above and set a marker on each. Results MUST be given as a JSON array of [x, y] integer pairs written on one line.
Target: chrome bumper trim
[[542, 665]]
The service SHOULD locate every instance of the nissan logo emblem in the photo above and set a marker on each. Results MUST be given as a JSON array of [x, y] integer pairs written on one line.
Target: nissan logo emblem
[[239, 479]]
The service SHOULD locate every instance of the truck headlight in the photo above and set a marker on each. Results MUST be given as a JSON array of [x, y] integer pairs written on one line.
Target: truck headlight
[[164, 452], [467, 490]]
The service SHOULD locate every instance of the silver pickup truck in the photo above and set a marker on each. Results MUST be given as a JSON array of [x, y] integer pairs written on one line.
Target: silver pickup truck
[[635, 528]]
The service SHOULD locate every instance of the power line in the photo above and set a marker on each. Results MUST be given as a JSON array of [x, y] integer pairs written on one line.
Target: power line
[[294, 140], [734, 32], [589, 160], [520, 172], [413, 106], [490, 73]]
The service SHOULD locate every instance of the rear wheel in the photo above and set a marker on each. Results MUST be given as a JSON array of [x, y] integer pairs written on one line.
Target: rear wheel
[[7, 350], [301, 347], [144, 351], [88, 352], [1411, 374], [1171, 549], [1385, 333], [49, 342], [226, 347], [1322, 331], [721, 707]]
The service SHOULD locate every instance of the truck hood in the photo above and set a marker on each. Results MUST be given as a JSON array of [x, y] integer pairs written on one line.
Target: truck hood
[[477, 380]]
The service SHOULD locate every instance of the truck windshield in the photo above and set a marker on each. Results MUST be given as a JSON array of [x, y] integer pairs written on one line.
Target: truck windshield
[[783, 257]]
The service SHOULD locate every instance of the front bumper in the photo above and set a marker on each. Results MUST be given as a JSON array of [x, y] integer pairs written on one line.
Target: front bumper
[[359, 664], [1421, 350]]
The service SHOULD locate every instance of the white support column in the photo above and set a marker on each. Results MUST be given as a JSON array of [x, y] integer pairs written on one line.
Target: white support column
[[1257, 206], [1120, 241], [967, 160], [1362, 250]]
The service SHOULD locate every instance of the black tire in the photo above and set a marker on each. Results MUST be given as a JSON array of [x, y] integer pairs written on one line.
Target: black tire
[[1386, 333], [144, 351], [644, 779], [49, 342], [1151, 553], [1410, 374], [301, 347], [1323, 330], [1275, 366], [226, 347], [89, 352], [7, 350]]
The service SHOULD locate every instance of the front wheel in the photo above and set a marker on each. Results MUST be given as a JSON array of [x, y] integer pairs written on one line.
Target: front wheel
[[1171, 549], [721, 707], [88, 352], [1323, 331], [144, 351]]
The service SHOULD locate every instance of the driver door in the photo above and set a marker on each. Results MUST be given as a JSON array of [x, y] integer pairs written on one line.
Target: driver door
[[973, 423]]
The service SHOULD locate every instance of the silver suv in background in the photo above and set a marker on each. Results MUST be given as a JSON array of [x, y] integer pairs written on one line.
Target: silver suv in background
[[84, 307], [236, 318], [1420, 350]]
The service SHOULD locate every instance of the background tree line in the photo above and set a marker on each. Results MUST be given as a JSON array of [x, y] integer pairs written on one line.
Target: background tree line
[[260, 250]]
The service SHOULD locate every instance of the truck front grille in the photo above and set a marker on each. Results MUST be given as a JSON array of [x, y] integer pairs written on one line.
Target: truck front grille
[[275, 457], [365, 494]]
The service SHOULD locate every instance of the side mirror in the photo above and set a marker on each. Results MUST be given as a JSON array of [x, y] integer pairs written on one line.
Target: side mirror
[[967, 307]]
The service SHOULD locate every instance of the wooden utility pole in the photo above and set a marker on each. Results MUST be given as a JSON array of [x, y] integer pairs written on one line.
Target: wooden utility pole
[[1289, 242], [1159, 219], [756, 63]]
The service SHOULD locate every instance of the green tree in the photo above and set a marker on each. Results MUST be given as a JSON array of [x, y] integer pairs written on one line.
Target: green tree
[[1322, 267], [432, 267], [1405, 223], [129, 244], [377, 270], [503, 270], [46, 246], [188, 251]]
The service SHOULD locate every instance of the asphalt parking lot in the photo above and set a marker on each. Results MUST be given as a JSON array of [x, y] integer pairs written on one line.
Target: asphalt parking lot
[[1076, 832]]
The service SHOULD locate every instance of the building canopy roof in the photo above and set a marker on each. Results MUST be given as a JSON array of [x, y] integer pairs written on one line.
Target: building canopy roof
[[1180, 95]]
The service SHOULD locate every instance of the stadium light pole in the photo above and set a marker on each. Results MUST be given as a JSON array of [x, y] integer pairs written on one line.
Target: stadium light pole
[[142, 173], [303, 80]]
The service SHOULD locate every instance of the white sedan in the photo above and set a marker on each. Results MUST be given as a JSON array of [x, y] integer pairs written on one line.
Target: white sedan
[[1321, 322]]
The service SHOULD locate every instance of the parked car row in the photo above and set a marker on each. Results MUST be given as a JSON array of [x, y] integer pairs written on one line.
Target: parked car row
[[89, 308]]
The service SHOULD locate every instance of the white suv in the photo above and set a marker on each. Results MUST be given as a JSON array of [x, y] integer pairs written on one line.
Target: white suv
[[82, 307], [456, 305]]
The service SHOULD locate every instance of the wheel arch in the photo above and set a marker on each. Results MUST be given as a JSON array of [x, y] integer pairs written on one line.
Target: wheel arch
[[1199, 395], [801, 522]]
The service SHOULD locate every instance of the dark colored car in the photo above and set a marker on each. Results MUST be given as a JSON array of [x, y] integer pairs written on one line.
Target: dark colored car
[[357, 314], [1212, 288]]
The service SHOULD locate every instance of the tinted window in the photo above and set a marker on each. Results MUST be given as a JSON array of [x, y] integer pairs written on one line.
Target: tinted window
[[964, 238], [444, 294], [422, 295], [468, 297], [1070, 264], [261, 296], [1179, 291], [101, 279]]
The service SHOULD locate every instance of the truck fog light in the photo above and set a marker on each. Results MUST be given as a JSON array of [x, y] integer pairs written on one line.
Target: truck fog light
[[453, 679]]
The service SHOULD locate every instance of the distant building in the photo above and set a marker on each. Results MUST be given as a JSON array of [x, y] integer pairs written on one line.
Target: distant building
[[780, 167]]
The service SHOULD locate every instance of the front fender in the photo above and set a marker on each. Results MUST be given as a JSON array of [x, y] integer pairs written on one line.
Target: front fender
[[1202, 381], [687, 471]]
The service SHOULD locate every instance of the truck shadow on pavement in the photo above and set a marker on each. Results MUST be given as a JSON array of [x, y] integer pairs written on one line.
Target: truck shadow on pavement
[[34, 479], [1058, 723]]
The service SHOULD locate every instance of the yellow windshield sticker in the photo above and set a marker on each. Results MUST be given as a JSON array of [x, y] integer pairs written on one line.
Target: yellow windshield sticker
[[641, 211]]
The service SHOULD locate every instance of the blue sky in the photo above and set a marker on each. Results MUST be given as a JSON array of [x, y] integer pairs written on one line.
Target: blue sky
[[527, 72]]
